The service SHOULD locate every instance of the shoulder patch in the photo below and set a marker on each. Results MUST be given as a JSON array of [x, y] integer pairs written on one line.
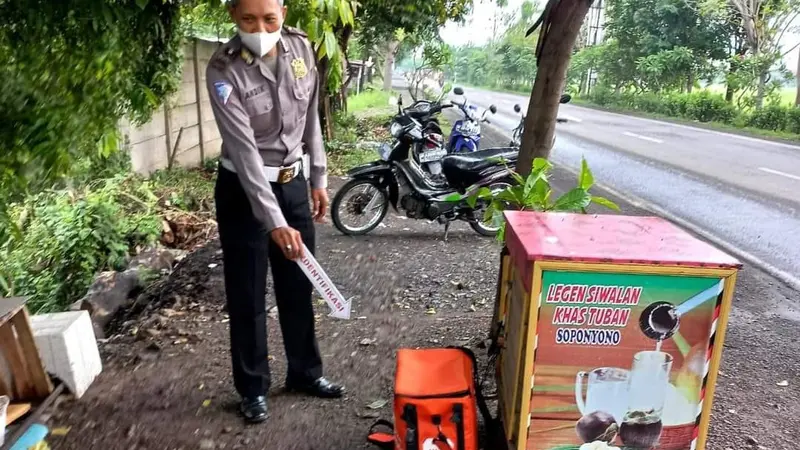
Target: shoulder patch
[[225, 55], [224, 90]]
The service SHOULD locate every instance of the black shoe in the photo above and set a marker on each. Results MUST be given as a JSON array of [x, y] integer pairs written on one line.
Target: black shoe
[[320, 387], [254, 409]]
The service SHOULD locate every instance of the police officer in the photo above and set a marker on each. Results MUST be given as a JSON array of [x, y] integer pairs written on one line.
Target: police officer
[[263, 87]]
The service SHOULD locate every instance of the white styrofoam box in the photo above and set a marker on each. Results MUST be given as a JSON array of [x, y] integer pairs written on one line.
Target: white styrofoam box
[[68, 348]]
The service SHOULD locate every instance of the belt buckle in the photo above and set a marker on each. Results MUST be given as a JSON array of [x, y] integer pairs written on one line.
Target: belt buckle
[[286, 175]]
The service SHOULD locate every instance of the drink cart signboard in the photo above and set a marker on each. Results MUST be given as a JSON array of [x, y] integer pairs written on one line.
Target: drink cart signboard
[[624, 332]]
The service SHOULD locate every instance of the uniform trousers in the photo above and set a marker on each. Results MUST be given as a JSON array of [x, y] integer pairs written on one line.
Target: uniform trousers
[[247, 251]]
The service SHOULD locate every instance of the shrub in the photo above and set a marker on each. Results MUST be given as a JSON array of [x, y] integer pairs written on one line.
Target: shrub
[[702, 106], [67, 236], [603, 96], [650, 103], [707, 107], [772, 117], [793, 120], [534, 193]]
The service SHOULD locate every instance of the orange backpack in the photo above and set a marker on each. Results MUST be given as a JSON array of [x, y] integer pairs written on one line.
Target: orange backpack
[[436, 402]]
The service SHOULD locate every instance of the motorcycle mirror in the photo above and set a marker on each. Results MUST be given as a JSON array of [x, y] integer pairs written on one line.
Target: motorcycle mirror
[[493, 109], [400, 100], [517, 109], [458, 91], [566, 98]]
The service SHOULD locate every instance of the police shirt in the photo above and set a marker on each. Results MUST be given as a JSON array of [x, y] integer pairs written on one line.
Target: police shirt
[[265, 117]]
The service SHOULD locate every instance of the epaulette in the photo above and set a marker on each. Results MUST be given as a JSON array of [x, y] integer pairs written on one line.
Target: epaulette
[[295, 31], [225, 56]]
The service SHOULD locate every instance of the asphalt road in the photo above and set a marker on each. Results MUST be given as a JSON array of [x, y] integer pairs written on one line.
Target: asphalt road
[[741, 190]]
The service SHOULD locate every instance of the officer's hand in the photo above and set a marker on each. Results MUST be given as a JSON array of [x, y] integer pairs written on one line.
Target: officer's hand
[[290, 241], [319, 197]]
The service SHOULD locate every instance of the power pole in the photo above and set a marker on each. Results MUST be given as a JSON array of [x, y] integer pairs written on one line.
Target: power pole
[[593, 35]]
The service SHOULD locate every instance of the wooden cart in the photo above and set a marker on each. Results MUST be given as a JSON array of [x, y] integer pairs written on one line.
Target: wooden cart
[[612, 330]]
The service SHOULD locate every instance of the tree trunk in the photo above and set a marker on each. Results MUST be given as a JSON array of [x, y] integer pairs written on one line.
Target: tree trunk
[[324, 106], [344, 40], [689, 83], [797, 99], [388, 67], [761, 91], [729, 94], [562, 30]]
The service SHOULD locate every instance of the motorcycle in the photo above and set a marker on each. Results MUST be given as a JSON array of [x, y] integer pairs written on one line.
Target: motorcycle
[[398, 179], [466, 134], [516, 134], [428, 145]]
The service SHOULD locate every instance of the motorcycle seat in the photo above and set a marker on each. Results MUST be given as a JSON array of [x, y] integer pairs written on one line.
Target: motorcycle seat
[[479, 160]]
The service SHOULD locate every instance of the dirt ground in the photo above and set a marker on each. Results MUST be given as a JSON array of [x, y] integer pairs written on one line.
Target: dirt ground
[[166, 382]]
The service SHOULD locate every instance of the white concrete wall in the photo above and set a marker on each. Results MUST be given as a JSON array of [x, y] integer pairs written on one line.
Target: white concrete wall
[[150, 145]]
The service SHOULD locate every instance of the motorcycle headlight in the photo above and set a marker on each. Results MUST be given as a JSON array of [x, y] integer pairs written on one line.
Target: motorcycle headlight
[[396, 129]]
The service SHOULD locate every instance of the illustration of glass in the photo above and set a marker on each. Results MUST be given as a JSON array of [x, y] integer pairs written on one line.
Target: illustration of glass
[[606, 391], [648, 385]]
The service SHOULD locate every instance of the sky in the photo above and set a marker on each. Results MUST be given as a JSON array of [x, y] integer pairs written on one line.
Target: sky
[[479, 29]]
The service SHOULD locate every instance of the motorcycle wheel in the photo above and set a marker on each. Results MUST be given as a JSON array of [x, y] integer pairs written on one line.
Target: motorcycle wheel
[[479, 225], [357, 205]]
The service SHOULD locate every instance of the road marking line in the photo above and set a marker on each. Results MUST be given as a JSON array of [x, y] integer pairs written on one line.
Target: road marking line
[[645, 138], [691, 128], [787, 278], [778, 172]]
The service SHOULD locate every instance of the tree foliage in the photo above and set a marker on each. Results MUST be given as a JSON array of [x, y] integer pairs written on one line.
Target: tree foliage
[[325, 21], [379, 20], [433, 57], [508, 61], [666, 45], [653, 34], [71, 70]]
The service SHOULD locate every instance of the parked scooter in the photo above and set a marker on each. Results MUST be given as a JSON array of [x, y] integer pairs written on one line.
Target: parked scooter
[[427, 147], [516, 134], [398, 178], [466, 133]]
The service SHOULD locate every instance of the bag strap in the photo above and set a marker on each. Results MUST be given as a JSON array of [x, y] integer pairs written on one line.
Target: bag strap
[[492, 424], [382, 439]]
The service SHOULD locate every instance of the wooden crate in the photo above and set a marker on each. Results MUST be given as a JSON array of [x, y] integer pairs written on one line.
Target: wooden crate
[[22, 375], [554, 341]]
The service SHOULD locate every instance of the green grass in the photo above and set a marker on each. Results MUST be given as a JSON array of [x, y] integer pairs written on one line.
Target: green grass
[[371, 101], [356, 132], [787, 94]]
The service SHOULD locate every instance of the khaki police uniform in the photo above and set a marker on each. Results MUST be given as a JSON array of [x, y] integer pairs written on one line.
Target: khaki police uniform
[[271, 148]]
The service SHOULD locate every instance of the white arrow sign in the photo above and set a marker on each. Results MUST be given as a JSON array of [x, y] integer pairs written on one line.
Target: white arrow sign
[[340, 307]]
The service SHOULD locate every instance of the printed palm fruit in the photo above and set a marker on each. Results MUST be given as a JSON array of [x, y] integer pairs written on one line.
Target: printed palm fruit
[[597, 426]]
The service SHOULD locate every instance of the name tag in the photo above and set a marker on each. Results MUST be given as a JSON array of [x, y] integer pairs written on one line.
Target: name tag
[[253, 92]]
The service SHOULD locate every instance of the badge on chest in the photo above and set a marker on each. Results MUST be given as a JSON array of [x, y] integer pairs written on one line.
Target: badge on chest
[[299, 68]]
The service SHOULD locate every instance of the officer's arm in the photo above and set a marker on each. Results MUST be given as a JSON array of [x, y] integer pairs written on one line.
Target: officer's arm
[[312, 137], [237, 135]]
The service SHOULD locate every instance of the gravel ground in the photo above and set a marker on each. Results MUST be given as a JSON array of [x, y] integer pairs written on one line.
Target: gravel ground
[[166, 382]]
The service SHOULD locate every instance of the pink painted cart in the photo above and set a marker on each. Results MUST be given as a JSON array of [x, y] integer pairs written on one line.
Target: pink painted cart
[[611, 329]]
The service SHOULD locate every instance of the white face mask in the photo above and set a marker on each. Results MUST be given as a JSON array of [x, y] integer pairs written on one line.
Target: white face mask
[[260, 43]]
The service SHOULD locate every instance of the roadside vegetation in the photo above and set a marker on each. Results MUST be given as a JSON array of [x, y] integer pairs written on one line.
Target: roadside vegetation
[[359, 130], [61, 238], [712, 67], [70, 206], [103, 214]]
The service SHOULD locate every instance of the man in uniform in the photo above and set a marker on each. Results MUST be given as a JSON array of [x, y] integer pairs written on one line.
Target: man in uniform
[[263, 87]]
